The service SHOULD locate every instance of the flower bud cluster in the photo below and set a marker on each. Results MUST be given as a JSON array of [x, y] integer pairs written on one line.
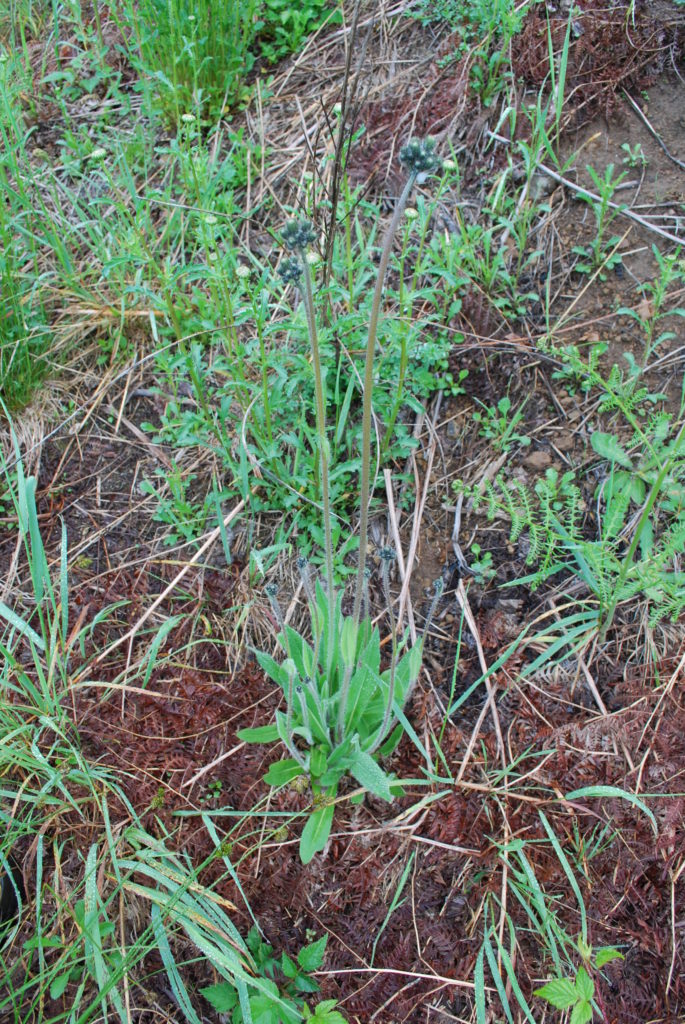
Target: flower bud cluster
[[290, 270], [418, 156], [297, 235]]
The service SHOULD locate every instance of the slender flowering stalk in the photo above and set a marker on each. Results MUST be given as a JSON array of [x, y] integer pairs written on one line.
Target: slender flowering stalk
[[296, 236], [420, 159], [320, 420], [365, 485]]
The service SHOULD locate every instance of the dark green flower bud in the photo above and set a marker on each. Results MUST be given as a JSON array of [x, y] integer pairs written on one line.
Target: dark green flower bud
[[290, 270], [419, 157], [387, 554], [297, 235]]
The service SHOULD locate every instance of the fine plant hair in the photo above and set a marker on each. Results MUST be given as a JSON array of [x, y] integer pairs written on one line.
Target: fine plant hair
[[339, 703]]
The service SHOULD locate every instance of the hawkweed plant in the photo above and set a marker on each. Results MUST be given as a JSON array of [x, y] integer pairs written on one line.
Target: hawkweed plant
[[342, 710]]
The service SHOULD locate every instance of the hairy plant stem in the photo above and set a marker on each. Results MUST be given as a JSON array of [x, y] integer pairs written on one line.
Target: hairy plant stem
[[365, 485], [320, 396]]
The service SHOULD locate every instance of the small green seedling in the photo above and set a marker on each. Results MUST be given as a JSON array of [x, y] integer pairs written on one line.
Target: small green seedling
[[577, 993], [496, 425]]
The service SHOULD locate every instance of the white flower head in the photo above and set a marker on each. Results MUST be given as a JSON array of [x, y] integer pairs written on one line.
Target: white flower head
[[312, 258], [97, 153], [210, 219], [212, 257], [411, 213], [449, 165], [187, 118], [242, 271]]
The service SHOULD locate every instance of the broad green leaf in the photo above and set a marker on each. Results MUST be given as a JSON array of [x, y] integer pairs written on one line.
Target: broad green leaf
[[316, 832], [360, 692], [311, 957], [581, 1013], [390, 744], [300, 652], [325, 1014], [223, 996], [606, 955], [560, 993], [348, 641], [259, 734], [369, 774], [58, 985], [272, 668], [608, 447], [318, 762], [585, 986], [283, 772], [288, 966]]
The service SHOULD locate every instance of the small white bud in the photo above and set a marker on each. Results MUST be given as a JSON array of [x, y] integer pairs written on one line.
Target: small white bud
[[449, 165], [212, 257], [410, 213], [210, 219], [97, 154], [312, 258], [337, 109], [242, 271], [188, 118]]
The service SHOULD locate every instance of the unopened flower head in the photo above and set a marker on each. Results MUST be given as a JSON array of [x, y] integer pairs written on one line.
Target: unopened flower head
[[419, 157], [337, 109], [387, 554], [411, 213], [97, 153], [312, 258], [449, 165], [210, 219], [212, 257], [297, 235], [187, 118], [290, 270], [242, 271]]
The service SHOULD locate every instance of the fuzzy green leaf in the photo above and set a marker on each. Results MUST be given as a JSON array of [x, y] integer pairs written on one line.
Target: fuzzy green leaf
[[608, 447], [260, 734], [274, 671], [318, 762], [316, 832], [369, 774], [283, 772]]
